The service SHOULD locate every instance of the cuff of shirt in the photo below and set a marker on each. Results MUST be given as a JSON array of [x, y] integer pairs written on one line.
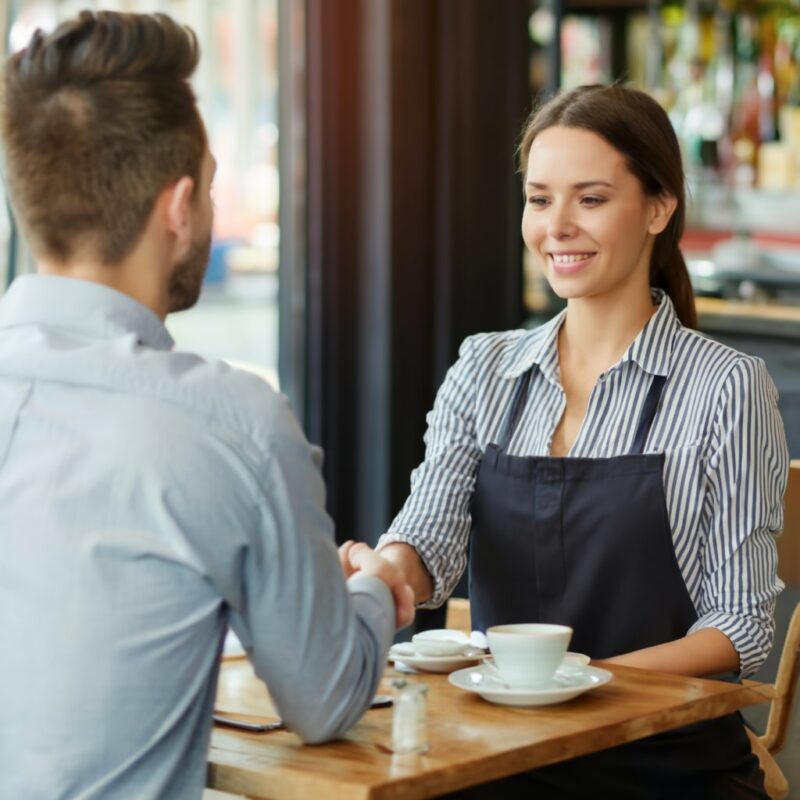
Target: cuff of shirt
[[439, 590], [751, 637], [374, 602], [376, 591]]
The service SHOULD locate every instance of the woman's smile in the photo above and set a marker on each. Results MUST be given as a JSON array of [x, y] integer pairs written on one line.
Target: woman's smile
[[570, 263]]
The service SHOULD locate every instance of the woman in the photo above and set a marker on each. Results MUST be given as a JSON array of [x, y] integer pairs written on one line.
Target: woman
[[612, 470]]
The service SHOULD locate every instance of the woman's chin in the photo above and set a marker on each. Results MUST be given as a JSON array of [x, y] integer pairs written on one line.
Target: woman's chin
[[568, 290]]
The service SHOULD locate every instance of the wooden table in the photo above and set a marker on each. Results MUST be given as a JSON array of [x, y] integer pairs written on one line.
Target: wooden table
[[472, 741]]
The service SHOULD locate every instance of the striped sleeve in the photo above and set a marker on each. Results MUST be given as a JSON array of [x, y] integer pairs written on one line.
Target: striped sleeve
[[435, 518], [746, 476]]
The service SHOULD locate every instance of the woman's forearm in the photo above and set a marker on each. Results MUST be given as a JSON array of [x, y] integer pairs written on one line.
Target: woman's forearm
[[407, 559], [704, 652]]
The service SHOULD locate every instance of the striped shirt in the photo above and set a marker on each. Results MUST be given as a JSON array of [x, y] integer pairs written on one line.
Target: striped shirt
[[725, 471]]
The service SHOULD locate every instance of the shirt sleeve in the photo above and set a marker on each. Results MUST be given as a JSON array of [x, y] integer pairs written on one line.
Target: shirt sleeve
[[435, 519], [746, 475], [318, 643]]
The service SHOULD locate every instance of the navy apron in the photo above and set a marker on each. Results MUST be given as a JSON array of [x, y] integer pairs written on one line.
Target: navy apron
[[586, 542]]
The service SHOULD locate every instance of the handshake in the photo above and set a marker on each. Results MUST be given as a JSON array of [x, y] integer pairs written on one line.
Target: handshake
[[357, 557]]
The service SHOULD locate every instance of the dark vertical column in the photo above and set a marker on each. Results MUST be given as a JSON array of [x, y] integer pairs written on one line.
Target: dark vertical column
[[457, 194], [482, 102], [414, 109], [372, 389], [335, 161], [415, 198]]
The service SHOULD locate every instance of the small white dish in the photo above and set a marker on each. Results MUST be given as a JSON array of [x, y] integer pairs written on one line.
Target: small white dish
[[440, 642], [478, 639], [404, 656], [571, 679]]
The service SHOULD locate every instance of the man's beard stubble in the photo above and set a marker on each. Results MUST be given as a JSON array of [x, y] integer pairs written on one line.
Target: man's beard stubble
[[186, 279]]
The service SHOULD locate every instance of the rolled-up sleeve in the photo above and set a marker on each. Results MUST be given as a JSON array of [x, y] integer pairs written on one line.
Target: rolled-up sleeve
[[435, 518], [746, 474]]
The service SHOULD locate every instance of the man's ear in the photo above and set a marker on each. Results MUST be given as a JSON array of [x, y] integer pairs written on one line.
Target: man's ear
[[177, 212], [662, 208]]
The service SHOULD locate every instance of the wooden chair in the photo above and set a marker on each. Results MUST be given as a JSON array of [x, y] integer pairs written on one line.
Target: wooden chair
[[458, 616], [784, 690]]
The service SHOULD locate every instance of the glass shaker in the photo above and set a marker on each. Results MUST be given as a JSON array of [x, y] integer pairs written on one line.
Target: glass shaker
[[410, 722]]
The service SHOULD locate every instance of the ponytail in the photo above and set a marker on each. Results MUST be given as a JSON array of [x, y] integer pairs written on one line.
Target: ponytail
[[668, 268], [672, 276]]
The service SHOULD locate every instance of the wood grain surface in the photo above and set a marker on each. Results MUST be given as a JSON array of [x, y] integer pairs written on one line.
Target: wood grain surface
[[471, 741], [778, 312]]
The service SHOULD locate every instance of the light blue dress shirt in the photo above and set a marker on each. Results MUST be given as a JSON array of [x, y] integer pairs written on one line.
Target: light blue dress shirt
[[149, 498]]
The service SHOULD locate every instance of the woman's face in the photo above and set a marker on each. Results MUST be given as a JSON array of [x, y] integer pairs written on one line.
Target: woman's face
[[587, 219]]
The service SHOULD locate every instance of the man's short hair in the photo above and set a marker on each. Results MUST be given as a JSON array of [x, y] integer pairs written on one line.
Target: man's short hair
[[98, 118]]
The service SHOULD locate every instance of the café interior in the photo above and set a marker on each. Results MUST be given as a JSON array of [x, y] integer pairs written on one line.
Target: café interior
[[367, 209]]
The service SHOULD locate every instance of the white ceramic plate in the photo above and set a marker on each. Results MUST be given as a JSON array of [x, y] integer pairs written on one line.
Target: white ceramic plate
[[440, 643], [571, 679], [435, 663]]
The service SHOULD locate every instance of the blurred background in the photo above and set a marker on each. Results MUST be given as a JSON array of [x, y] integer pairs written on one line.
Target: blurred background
[[237, 88]]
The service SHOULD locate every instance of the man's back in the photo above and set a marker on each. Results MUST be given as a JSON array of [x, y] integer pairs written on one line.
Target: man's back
[[146, 499]]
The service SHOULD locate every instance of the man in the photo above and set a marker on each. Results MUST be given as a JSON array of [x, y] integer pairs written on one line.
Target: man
[[148, 498]]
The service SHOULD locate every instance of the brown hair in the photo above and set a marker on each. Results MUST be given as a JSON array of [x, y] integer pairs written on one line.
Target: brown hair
[[98, 117], [635, 125]]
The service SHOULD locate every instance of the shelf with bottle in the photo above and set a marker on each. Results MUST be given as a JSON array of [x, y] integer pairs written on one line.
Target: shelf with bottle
[[731, 83], [730, 80], [728, 73]]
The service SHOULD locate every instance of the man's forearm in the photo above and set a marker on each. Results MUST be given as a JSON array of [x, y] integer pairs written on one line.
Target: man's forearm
[[407, 559]]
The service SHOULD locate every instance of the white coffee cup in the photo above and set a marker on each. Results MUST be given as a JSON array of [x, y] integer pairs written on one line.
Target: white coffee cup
[[528, 654]]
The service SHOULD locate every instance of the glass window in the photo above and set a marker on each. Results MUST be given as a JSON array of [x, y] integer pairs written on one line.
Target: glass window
[[237, 88]]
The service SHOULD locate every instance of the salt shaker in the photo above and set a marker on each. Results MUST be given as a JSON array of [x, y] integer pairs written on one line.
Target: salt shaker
[[409, 722]]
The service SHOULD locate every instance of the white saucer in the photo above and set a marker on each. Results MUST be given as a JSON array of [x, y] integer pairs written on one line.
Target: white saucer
[[570, 680], [435, 663]]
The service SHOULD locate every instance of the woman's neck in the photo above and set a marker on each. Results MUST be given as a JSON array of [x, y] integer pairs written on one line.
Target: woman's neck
[[598, 330]]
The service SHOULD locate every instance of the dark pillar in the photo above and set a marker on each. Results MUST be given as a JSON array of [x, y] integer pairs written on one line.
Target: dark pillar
[[414, 109]]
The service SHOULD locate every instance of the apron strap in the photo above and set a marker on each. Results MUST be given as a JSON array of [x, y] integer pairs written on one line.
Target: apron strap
[[648, 414], [642, 430], [515, 411]]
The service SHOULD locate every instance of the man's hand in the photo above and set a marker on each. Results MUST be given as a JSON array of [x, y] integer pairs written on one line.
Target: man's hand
[[357, 557]]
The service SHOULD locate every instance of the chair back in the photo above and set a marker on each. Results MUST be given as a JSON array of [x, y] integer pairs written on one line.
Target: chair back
[[786, 680], [774, 737], [789, 540]]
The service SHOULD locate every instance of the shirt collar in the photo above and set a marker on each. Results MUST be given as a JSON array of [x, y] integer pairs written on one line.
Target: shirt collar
[[537, 347], [651, 350], [80, 305]]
